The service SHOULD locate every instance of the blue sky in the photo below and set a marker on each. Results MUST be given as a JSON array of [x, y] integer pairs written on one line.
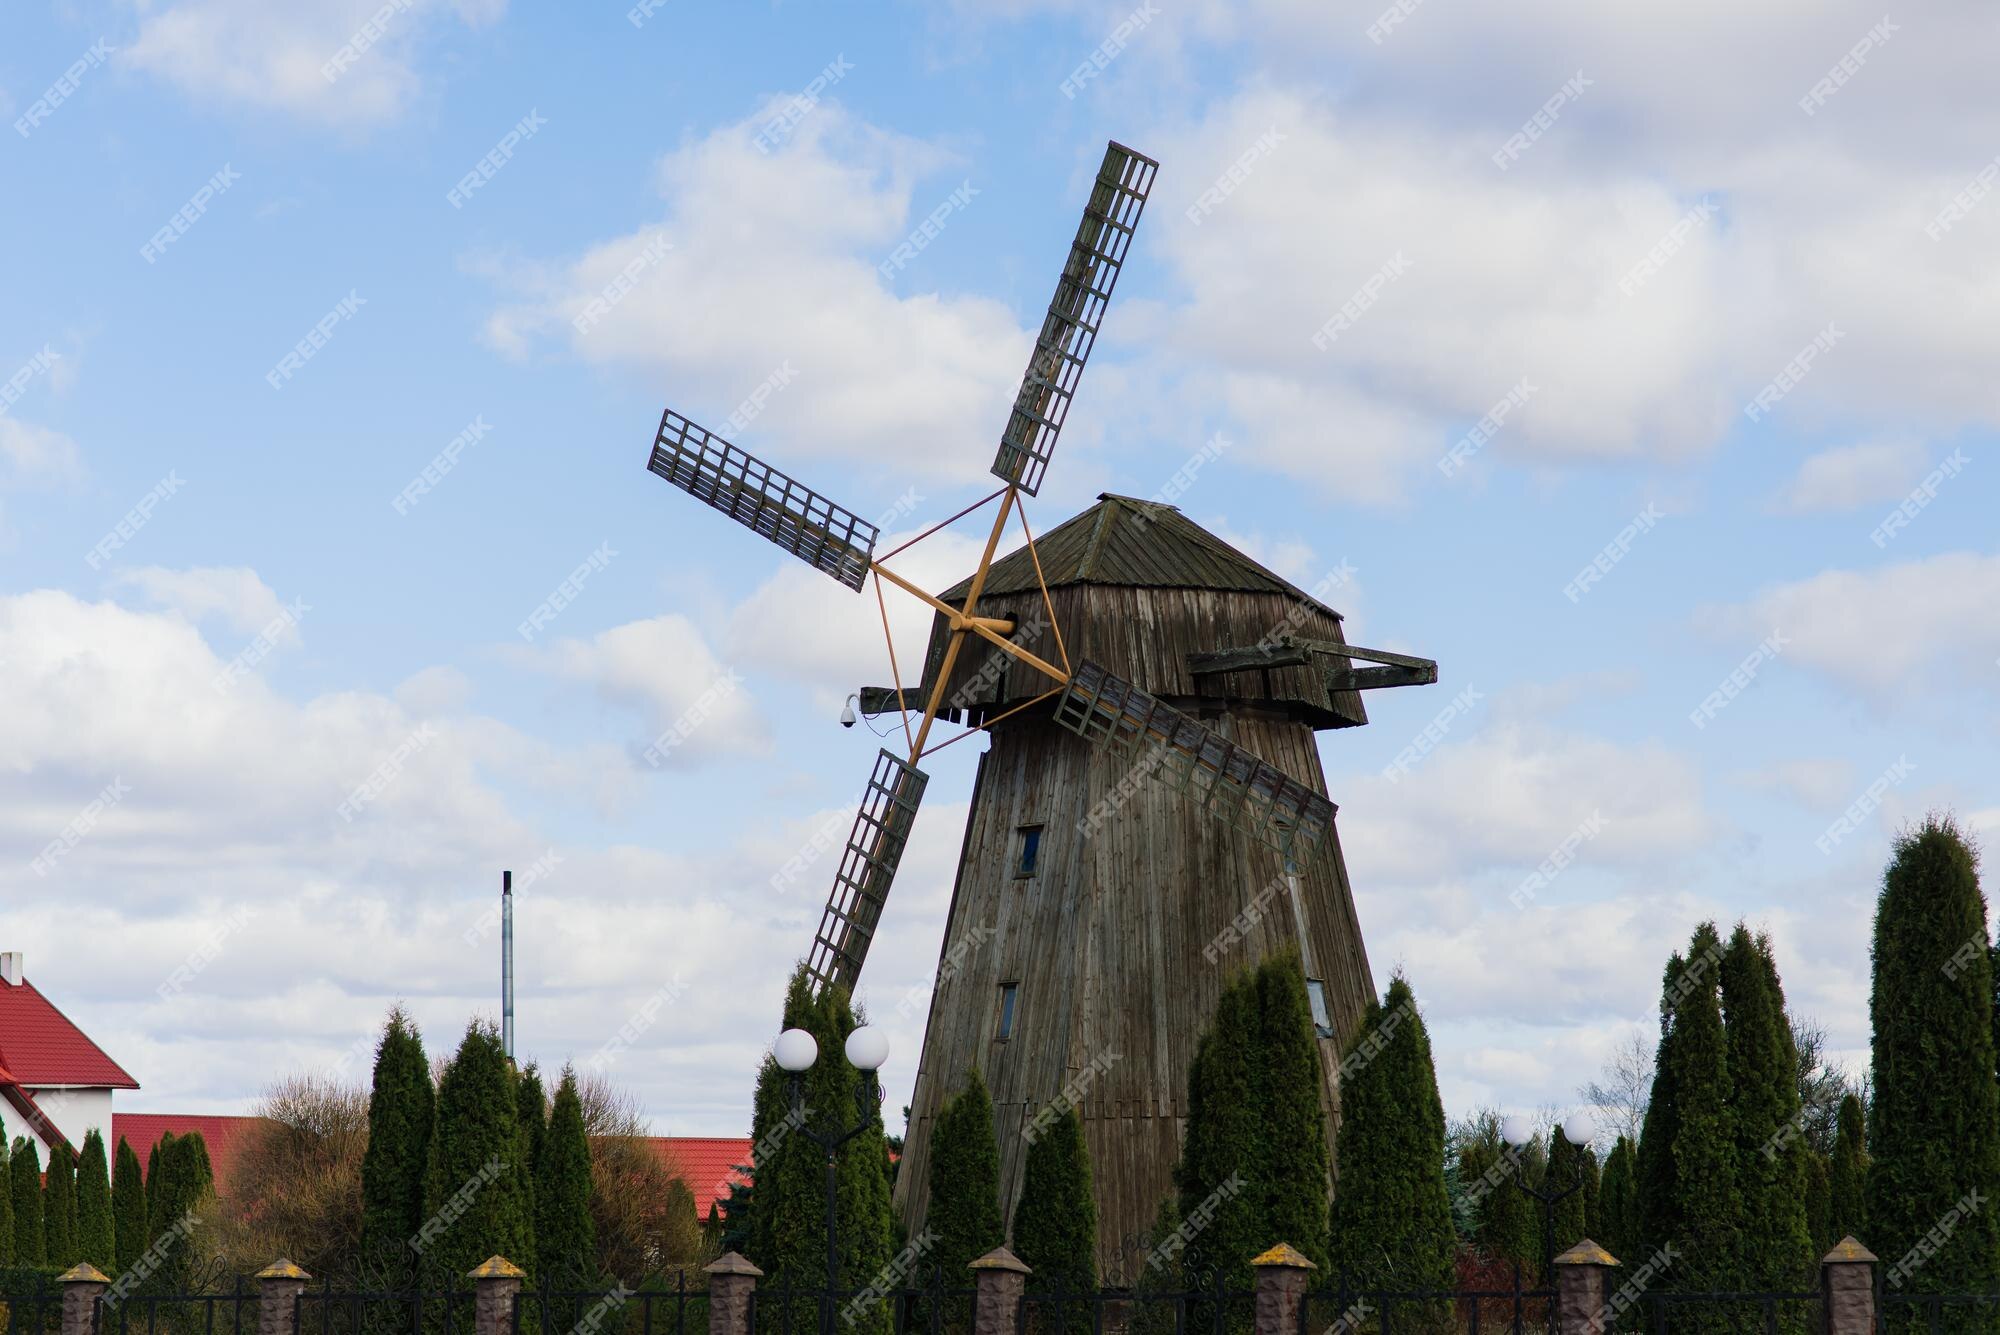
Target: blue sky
[[221, 922]]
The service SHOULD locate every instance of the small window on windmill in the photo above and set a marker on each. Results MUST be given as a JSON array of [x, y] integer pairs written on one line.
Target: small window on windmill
[[1028, 851], [1316, 990], [1007, 991]]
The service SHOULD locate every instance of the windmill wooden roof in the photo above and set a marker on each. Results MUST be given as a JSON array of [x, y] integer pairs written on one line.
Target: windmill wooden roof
[[1136, 544]]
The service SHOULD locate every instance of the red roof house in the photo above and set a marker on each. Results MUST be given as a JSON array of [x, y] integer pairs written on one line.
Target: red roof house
[[224, 1137], [55, 1084], [708, 1164]]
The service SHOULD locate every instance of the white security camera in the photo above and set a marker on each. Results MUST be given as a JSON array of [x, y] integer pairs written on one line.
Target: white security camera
[[847, 712]]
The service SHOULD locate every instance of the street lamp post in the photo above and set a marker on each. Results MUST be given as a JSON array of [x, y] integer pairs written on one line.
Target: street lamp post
[[1579, 1129], [796, 1050]]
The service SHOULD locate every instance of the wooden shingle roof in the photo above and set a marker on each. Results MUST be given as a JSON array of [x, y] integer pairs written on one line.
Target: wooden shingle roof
[[1136, 544]]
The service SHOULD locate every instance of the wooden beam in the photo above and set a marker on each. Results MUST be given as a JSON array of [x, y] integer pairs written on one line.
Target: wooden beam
[[1376, 678], [1249, 656], [958, 631]]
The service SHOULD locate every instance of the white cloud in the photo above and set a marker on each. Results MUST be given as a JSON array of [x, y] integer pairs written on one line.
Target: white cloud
[[1840, 479], [277, 57], [772, 276], [1884, 630], [1820, 784], [234, 594], [37, 455], [664, 667]]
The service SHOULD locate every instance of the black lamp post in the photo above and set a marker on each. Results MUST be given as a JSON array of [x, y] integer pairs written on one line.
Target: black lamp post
[[796, 1051], [1579, 1129]]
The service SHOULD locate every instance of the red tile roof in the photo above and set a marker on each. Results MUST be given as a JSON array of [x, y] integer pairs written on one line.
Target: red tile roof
[[40, 1046], [224, 1136], [707, 1164]]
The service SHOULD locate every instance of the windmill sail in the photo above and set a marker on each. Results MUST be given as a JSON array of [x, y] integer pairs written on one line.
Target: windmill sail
[[1221, 777], [1070, 328], [764, 500], [861, 886]]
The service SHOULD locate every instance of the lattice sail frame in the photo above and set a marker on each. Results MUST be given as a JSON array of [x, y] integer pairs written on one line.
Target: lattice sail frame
[[767, 502], [1222, 778], [867, 867], [1069, 330]]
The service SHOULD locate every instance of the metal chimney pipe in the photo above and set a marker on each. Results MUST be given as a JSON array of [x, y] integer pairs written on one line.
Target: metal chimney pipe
[[507, 962]]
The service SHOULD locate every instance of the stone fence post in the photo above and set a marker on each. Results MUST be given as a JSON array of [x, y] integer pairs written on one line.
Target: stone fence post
[[1583, 1289], [732, 1281], [82, 1286], [279, 1285], [1281, 1289], [496, 1282], [1847, 1278], [1001, 1279]]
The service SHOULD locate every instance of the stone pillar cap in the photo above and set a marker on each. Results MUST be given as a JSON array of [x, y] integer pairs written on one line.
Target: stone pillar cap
[[732, 1263], [1848, 1249], [83, 1272], [1284, 1254], [1587, 1253], [1001, 1259], [496, 1267]]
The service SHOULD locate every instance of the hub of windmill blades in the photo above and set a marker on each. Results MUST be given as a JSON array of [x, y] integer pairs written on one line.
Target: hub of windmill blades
[[1223, 778]]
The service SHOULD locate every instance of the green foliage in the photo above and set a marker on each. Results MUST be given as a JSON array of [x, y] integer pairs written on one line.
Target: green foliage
[[1593, 1184], [1617, 1227], [156, 1185], [1656, 1207], [1055, 1221], [59, 1209], [128, 1207], [25, 1180], [1934, 1127], [1774, 1244], [531, 1119], [565, 1237], [1219, 1150], [1505, 1224], [1847, 1175], [1253, 1167], [180, 1194], [1564, 1171], [96, 1239], [787, 1207], [1391, 1222], [1705, 1160], [473, 1203], [964, 1210], [6, 1207], [401, 1111], [1819, 1202]]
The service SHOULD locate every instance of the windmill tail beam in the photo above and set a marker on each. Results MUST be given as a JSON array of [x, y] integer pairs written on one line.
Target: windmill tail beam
[[1291, 651]]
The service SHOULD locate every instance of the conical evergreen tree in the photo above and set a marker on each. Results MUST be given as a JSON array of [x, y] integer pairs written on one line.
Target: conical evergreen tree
[[964, 1211], [1390, 1226], [1055, 1221], [1566, 1168], [1506, 1224], [1774, 1243], [59, 1209], [1617, 1229], [401, 1110], [531, 1118], [787, 1209], [1847, 1176], [25, 1173], [1219, 1150], [1705, 1143], [128, 1207], [565, 1236], [1656, 1213], [1934, 1127], [185, 1197], [1292, 1153], [158, 1189], [1593, 1186], [96, 1239], [473, 1205]]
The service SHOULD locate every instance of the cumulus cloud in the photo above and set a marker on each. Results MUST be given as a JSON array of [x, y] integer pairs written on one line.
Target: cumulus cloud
[[762, 273], [1851, 475], [235, 595], [340, 62], [1879, 631], [37, 455]]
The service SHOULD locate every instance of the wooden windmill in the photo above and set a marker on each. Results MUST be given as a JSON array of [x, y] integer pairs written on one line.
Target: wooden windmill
[[1151, 811]]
